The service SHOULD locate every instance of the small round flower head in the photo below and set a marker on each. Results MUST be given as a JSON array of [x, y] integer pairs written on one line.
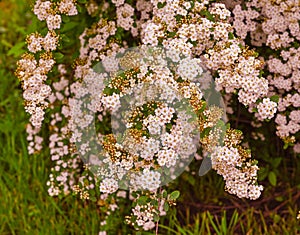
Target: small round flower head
[[118, 2], [220, 10], [164, 114], [50, 41], [147, 180], [124, 14], [34, 42], [111, 102], [108, 185], [42, 9], [150, 147], [266, 109], [190, 69], [26, 66], [144, 215], [53, 21], [153, 124], [167, 157], [68, 7]]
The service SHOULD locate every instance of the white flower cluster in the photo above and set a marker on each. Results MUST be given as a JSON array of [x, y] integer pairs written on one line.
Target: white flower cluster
[[149, 147], [144, 214], [266, 109], [111, 102], [68, 7], [94, 41], [147, 180], [118, 2], [167, 157], [240, 176], [153, 124], [32, 76], [124, 14], [108, 185], [189, 69], [220, 10], [171, 143], [238, 68], [164, 114], [244, 76], [45, 10]]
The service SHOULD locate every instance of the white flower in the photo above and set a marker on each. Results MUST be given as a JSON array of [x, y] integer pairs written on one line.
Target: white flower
[[167, 157], [111, 102], [267, 108], [189, 69], [108, 185], [53, 21]]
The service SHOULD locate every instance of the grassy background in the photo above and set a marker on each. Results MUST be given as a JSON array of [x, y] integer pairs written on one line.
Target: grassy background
[[26, 208]]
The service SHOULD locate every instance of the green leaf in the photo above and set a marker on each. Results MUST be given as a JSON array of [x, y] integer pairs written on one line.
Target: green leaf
[[64, 38], [107, 91], [156, 218], [161, 5], [274, 98], [16, 50], [139, 126], [154, 203], [171, 34], [261, 72], [166, 206], [68, 26], [164, 194], [79, 8], [58, 55], [174, 195], [272, 178], [208, 15], [205, 132], [295, 44], [65, 18], [169, 126], [276, 162], [262, 173], [134, 194], [142, 200], [230, 35], [178, 18], [276, 218]]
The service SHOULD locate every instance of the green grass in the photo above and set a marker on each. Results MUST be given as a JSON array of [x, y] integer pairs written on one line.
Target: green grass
[[26, 208], [251, 221]]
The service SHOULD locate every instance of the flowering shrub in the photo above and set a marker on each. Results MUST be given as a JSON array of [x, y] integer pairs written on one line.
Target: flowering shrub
[[123, 121], [272, 28]]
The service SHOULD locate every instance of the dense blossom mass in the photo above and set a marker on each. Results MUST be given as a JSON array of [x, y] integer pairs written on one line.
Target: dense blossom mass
[[122, 117], [274, 25]]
